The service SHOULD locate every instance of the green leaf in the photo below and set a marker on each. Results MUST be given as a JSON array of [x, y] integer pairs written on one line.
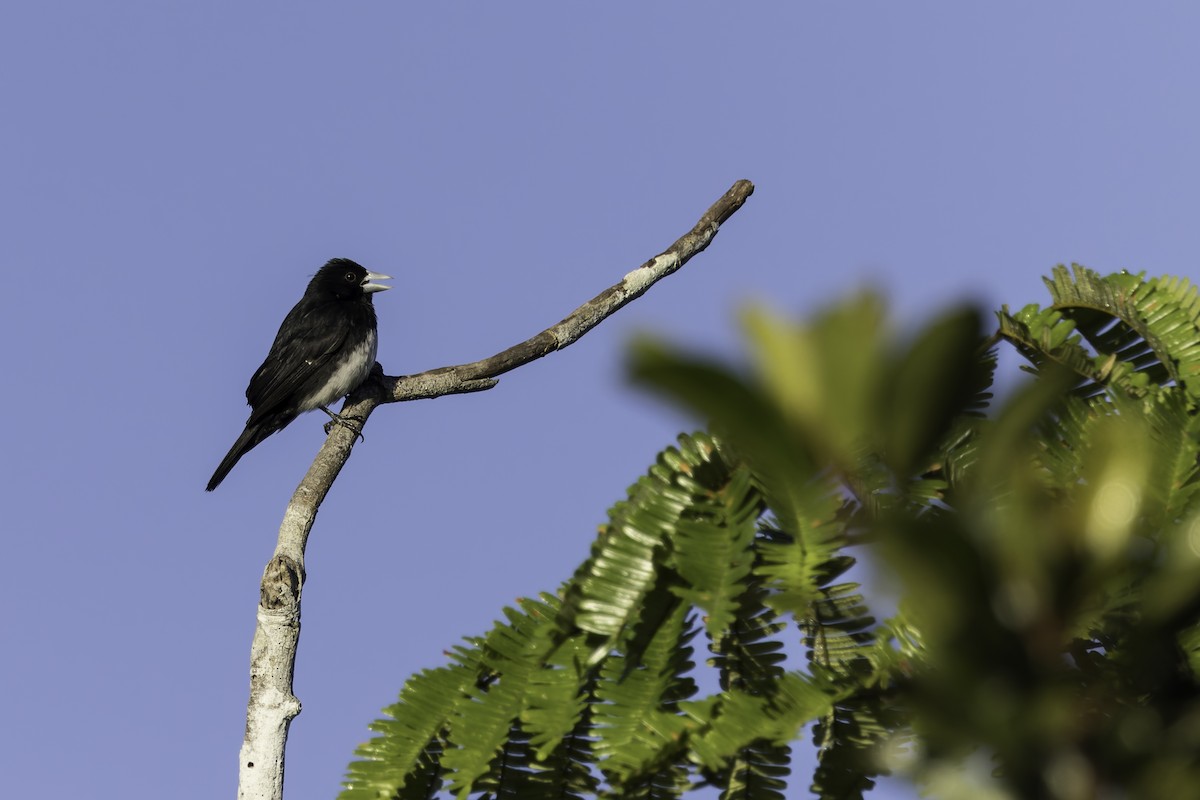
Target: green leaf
[[408, 749], [824, 376], [637, 724], [794, 564], [743, 416], [712, 549], [689, 499], [485, 715], [934, 381], [1144, 333]]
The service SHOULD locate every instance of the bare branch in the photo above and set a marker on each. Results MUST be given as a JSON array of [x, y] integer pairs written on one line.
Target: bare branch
[[272, 704], [591, 313]]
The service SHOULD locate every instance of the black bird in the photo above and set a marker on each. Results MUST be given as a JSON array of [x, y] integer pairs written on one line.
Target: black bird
[[325, 348]]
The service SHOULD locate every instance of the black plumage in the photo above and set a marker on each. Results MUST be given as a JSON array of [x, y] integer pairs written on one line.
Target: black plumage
[[325, 348]]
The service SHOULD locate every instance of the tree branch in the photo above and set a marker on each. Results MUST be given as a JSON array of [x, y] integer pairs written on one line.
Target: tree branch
[[272, 704]]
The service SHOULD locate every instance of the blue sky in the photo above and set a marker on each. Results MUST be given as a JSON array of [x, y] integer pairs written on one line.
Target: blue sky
[[171, 175]]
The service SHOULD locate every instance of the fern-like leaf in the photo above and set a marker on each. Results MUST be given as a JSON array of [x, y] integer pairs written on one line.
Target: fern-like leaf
[[406, 755], [1142, 333], [637, 724], [608, 594], [712, 546], [514, 650]]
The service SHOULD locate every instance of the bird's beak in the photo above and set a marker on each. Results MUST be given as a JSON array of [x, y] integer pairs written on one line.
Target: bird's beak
[[368, 286]]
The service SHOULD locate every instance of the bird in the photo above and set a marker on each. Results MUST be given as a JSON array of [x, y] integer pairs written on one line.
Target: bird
[[324, 350]]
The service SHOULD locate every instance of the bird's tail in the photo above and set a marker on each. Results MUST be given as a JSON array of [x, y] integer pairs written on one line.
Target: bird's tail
[[251, 436]]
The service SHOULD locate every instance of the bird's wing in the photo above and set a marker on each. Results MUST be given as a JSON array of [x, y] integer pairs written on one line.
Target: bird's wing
[[306, 342]]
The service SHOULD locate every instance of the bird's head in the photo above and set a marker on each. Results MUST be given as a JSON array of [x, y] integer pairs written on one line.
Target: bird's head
[[345, 279]]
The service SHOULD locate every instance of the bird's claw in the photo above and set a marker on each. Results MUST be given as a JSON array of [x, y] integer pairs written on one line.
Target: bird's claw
[[353, 423]]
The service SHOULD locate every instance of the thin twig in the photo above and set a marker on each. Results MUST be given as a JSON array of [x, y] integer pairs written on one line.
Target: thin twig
[[272, 704]]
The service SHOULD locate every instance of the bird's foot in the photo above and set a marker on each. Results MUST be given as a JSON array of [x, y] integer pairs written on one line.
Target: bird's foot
[[353, 423]]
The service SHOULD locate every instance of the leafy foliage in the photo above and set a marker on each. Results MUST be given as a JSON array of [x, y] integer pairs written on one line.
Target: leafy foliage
[[1044, 556]]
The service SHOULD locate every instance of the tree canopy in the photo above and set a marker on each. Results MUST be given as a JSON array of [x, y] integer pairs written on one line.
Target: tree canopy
[[1040, 560]]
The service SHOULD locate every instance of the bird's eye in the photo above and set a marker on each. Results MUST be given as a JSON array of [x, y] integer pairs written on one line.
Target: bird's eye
[[351, 277]]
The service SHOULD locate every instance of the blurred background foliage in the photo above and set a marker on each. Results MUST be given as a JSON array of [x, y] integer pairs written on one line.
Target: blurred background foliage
[[1040, 560]]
